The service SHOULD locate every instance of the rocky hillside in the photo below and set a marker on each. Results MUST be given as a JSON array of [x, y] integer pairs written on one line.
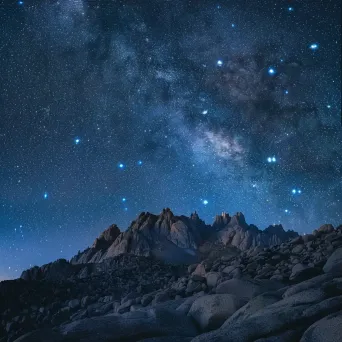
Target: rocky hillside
[[290, 291], [178, 239]]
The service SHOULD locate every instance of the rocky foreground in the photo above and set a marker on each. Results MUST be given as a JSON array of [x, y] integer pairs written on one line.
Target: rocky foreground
[[237, 291]]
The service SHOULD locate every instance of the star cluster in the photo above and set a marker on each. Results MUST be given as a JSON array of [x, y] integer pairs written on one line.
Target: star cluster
[[110, 108]]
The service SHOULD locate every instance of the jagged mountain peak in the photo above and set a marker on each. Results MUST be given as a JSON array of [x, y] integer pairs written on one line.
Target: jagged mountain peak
[[175, 238], [107, 237]]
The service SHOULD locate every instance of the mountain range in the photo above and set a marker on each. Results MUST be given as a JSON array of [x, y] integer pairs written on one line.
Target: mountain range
[[180, 239]]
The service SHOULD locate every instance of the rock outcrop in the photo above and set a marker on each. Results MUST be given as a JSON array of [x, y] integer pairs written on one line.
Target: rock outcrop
[[170, 238], [178, 239]]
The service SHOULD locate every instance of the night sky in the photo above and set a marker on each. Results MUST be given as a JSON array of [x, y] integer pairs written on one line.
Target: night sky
[[110, 108]]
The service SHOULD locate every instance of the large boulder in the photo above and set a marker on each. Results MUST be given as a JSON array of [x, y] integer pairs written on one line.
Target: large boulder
[[334, 262], [212, 279], [308, 284], [253, 306], [246, 288], [272, 319], [211, 311], [186, 305], [302, 272], [328, 329], [130, 326], [42, 335]]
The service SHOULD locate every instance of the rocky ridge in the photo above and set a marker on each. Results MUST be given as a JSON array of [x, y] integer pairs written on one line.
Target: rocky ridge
[[291, 291], [178, 239]]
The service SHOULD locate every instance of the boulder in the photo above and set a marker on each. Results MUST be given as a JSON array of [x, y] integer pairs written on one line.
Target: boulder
[[270, 320], [125, 307], [42, 335], [134, 326], [212, 279], [186, 305], [328, 329], [301, 272], [310, 283], [199, 271], [211, 311], [253, 306], [246, 288], [286, 336], [74, 304], [334, 262]]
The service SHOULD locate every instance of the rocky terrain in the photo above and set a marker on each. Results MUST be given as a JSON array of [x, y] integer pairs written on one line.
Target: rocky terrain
[[243, 284]]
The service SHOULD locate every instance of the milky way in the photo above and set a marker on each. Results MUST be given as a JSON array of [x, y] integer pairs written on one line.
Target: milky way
[[110, 108]]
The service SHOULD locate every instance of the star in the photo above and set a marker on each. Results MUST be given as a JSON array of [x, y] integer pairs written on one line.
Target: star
[[20, 2], [328, 106], [205, 202], [219, 63], [313, 46], [45, 195], [121, 166], [77, 141], [271, 159], [290, 9], [286, 92], [271, 71], [140, 162], [233, 25], [205, 112], [123, 199], [286, 210]]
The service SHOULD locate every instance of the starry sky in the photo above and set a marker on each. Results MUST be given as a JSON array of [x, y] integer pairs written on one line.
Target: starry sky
[[110, 108]]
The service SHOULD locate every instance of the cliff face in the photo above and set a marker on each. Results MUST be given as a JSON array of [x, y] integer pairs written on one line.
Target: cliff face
[[176, 239]]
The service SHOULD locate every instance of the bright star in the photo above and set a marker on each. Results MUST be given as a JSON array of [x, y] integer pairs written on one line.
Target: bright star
[[299, 191], [45, 195], [205, 202], [286, 92], [124, 199], [290, 9], [77, 141], [140, 162], [233, 25], [269, 159], [205, 112], [294, 191], [313, 46], [121, 166], [274, 159], [328, 106], [286, 210], [21, 2], [271, 71], [219, 63]]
